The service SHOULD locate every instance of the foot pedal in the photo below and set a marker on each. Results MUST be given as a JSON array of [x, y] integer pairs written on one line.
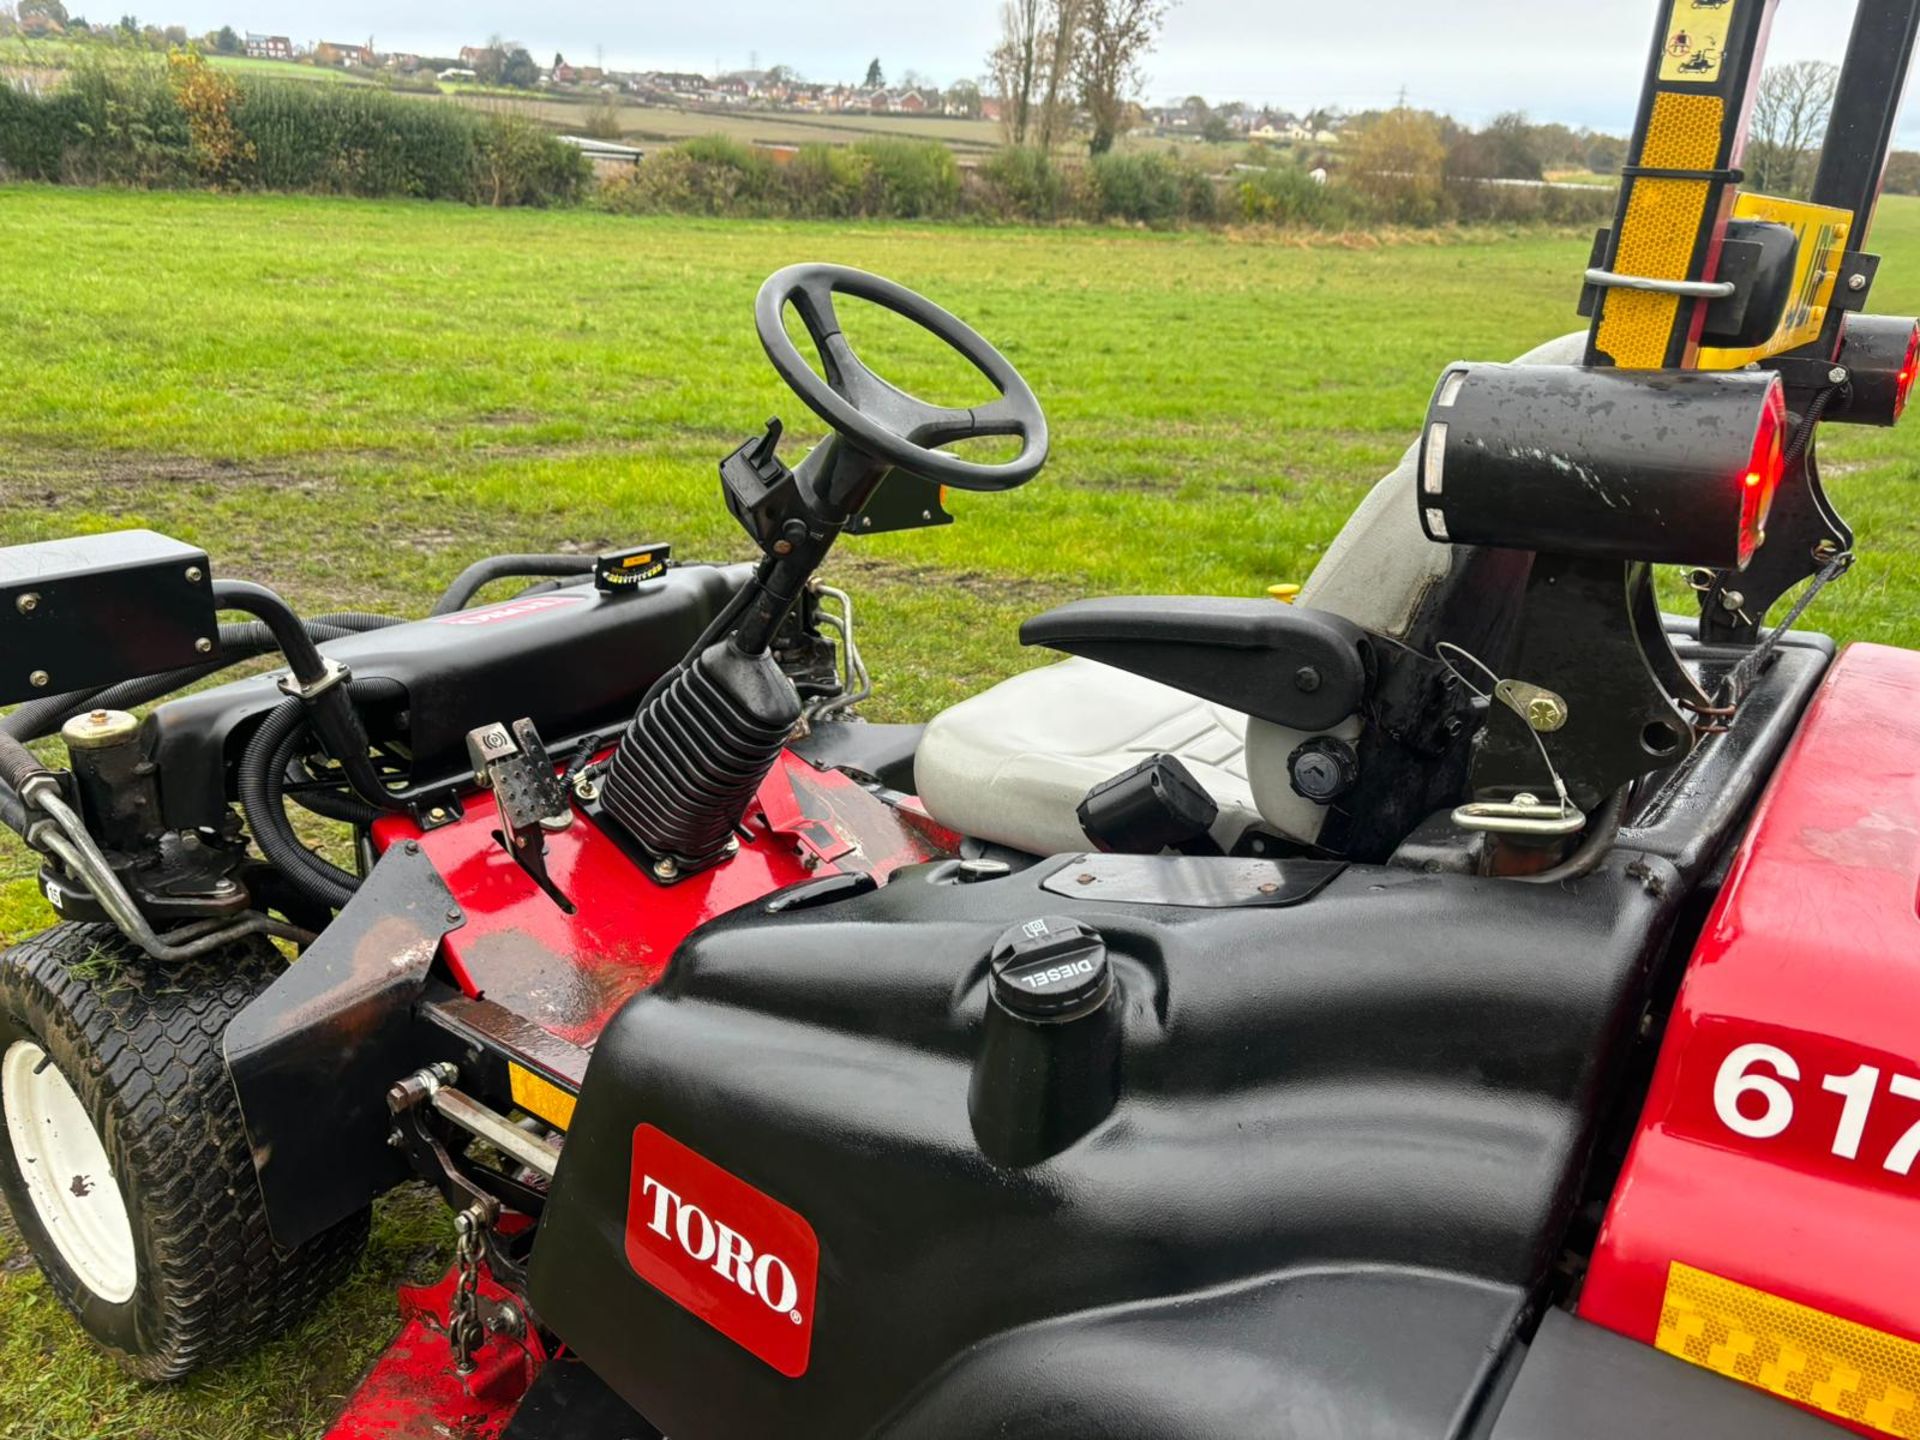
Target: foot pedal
[[528, 793]]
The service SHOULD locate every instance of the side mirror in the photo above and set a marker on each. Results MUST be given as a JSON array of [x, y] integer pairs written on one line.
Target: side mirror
[[1760, 259]]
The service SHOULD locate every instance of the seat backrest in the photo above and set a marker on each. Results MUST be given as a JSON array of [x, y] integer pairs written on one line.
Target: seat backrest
[[1384, 575], [1381, 571]]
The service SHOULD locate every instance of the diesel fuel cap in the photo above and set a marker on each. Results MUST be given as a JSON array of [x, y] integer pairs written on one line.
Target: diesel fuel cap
[[1050, 968]]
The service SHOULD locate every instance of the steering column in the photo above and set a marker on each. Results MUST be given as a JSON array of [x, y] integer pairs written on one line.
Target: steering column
[[707, 733]]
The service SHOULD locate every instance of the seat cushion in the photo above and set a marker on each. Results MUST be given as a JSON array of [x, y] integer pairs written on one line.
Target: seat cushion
[[1013, 764]]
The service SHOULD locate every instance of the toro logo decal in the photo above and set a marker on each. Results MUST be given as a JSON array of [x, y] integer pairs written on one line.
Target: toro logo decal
[[509, 610], [711, 1243]]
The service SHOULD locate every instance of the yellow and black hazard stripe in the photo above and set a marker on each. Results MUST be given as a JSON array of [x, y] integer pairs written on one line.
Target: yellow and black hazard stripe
[[1677, 193]]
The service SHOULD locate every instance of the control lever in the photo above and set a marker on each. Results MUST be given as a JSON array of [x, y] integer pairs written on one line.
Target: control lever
[[528, 794]]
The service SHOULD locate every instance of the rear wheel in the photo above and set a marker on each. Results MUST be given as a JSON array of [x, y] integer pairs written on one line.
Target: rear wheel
[[124, 1161]]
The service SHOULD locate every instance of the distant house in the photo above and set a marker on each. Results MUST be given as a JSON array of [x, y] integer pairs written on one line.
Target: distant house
[[990, 109], [268, 47], [340, 52], [473, 56], [677, 82], [564, 74], [911, 103]]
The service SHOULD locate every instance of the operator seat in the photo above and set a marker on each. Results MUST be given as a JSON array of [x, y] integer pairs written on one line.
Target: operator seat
[[1012, 764]]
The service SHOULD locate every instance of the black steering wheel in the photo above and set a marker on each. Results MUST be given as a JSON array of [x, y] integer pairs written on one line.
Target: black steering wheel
[[875, 417]]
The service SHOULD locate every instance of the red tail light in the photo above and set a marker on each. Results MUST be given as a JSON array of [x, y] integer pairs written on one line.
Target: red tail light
[[1881, 355], [1765, 467], [1903, 385]]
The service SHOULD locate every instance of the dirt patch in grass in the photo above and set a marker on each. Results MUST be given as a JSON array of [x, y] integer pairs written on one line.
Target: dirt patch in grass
[[1000, 588], [41, 477]]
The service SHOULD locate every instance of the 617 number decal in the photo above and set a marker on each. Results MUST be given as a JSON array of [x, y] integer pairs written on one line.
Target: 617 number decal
[[1757, 1093]]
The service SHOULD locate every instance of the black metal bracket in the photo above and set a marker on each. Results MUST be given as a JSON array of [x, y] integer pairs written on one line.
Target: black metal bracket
[[1619, 706], [1723, 176], [1804, 532], [339, 1024]]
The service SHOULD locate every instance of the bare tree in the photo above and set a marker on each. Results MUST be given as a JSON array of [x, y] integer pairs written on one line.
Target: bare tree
[[1064, 22], [1015, 63], [1789, 123], [1117, 34]]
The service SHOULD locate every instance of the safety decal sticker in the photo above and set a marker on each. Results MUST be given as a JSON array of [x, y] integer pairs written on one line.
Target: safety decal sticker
[[1695, 31]]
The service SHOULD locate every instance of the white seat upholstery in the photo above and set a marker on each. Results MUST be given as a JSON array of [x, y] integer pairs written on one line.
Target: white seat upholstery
[[1012, 765]]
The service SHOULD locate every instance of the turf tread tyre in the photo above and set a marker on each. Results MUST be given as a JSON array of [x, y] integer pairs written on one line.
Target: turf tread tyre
[[141, 1045]]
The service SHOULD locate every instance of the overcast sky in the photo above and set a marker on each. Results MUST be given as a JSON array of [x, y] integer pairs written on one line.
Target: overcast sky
[[1577, 61]]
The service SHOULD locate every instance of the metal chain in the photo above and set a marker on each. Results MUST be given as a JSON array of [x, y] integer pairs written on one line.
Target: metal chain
[[464, 1328]]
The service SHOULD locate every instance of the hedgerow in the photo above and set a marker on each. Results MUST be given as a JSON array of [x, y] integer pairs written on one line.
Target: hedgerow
[[182, 124]]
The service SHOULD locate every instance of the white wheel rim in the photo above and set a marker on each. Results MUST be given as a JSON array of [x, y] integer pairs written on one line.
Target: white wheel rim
[[74, 1193]]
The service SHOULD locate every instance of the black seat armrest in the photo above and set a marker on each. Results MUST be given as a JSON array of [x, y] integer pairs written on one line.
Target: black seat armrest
[[1304, 669]]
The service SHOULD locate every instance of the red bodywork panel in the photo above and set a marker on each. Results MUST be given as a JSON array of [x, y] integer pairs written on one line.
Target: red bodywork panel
[[569, 974], [1775, 1149]]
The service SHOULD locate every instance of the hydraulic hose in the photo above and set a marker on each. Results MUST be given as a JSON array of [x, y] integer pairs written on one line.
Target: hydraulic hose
[[303, 656], [13, 811], [318, 685], [18, 765], [263, 771], [38, 718], [262, 787], [19, 768], [471, 580], [332, 805]]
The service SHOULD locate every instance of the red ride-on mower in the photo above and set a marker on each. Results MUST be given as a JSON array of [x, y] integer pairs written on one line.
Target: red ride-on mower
[[1466, 1002]]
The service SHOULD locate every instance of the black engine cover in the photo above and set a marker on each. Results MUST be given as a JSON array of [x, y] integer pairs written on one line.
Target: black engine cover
[[575, 660], [1348, 1139]]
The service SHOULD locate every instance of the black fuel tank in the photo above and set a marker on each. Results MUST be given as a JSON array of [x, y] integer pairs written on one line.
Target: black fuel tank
[[1348, 1134], [574, 659]]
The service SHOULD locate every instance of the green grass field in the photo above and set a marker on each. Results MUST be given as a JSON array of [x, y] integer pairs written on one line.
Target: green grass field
[[664, 124], [352, 400]]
